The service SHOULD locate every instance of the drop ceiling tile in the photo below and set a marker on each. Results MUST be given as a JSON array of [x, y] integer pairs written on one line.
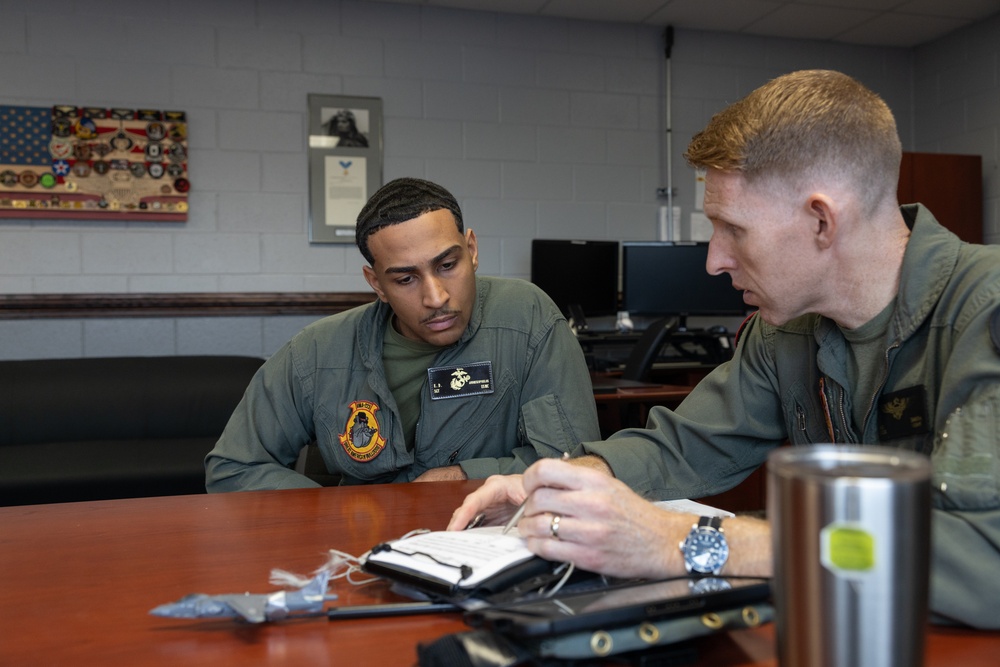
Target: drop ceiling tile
[[963, 9], [801, 22], [905, 30], [506, 6], [873, 5], [722, 15], [873, 22], [632, 11]]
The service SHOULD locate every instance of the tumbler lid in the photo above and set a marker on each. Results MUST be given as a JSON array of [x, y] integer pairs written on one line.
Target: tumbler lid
[[867, 461]]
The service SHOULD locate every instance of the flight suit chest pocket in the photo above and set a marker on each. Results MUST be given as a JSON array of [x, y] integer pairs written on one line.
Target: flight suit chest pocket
[[805, 419], [479, 425], [358, 438]]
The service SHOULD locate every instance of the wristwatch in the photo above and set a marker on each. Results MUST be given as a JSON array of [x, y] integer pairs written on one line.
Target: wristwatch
[[705, 549]]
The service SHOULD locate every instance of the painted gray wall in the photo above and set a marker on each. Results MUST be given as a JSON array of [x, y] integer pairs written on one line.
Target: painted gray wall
[[541, 127], [956, 98]]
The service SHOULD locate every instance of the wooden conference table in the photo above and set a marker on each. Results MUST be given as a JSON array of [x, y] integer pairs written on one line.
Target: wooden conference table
[[77, 581]]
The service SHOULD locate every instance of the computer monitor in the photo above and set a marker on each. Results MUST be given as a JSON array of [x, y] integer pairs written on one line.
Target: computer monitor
[[663, 279], [580, 276]]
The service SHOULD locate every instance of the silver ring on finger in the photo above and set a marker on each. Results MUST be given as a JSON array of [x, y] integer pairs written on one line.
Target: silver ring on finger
[[554, 526]]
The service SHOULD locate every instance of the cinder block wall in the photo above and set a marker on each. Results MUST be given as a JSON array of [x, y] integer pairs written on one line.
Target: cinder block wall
[[542, 128], [956, 101]]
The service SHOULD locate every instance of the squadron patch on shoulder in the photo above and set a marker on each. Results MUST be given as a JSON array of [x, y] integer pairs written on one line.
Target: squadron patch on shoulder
[[995, 329], [362, 437]]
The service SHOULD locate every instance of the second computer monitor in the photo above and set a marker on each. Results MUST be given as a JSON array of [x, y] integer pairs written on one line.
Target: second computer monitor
[[578, 275], [661, 279]]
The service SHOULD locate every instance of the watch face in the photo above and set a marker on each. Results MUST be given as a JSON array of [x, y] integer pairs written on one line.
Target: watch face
[[705, 550]]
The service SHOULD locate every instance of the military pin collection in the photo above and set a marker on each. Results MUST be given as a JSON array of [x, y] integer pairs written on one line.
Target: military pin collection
[[93, 162]]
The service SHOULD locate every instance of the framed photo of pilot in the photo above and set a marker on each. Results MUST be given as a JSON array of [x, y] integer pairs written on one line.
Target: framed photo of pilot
[[345, 163]]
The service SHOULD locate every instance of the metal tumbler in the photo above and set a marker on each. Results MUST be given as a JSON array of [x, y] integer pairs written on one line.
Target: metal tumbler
[[851, 539]]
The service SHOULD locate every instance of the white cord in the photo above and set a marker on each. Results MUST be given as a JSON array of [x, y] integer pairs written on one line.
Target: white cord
[[339, 565], [559, 584]]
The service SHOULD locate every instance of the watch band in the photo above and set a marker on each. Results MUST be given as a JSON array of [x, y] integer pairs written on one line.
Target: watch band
[[711, 522]]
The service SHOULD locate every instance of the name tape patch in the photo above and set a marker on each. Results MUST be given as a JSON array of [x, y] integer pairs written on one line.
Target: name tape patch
[[457, 381]]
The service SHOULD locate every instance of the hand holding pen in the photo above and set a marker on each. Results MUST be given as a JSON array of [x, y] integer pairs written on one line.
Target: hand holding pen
[[581, 514], [490, 503], [520, 510]]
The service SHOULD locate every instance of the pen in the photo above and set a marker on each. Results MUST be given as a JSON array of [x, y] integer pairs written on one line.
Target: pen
[[389, 609], [520, 508], [517, 516]]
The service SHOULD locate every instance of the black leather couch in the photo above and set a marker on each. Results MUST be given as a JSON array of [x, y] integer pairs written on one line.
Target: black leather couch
[[116, 427]]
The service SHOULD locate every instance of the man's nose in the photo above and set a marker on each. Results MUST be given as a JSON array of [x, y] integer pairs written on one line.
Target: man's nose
[[435, 293], [718, 260]]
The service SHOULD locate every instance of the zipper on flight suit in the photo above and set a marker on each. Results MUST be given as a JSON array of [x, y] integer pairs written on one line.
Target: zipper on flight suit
[[879, 387], [800, 420], [839, 431], [485, 423]]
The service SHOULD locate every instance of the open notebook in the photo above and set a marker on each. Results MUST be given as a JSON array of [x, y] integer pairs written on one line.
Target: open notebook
[[478, 560], [456, 559]]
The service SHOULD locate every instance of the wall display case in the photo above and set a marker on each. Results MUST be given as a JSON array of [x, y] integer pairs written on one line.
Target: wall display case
[[102, 163]]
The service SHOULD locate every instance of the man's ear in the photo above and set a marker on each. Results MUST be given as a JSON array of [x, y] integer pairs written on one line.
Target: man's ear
[[824, 212], [473, 245], [372, 279]]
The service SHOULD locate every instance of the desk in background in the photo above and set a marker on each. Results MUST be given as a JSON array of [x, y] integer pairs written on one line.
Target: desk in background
[[628, 406], [77, 581]]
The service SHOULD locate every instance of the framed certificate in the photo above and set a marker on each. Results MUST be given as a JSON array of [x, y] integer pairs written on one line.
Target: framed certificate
[[345, 163]]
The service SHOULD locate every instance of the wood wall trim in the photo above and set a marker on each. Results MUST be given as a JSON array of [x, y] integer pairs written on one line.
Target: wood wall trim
[[202, 304]]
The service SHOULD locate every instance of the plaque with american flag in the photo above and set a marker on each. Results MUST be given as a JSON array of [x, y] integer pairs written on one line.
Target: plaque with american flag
[[66, 161]]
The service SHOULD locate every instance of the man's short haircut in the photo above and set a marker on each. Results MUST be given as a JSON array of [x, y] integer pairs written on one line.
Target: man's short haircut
[[398, 201], [801, 124]]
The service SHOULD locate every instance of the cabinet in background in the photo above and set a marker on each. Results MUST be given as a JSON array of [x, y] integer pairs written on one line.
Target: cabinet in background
[[951, 186]]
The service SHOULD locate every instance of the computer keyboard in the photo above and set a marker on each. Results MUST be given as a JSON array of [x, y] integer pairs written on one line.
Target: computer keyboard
[[609, 352]]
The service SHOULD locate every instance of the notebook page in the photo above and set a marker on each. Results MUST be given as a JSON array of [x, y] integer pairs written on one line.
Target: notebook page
[[486, 550]]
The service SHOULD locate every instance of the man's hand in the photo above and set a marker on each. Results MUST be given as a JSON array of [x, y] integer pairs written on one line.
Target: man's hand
[[447, 474], [603, 525], [498, 499], [594, 462], [606, 527], [501, 495]]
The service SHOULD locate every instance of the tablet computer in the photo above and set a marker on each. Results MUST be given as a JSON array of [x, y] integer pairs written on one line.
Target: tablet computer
[[618, 605]]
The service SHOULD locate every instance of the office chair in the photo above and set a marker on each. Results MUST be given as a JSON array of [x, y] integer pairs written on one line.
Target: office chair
[[647, 348]]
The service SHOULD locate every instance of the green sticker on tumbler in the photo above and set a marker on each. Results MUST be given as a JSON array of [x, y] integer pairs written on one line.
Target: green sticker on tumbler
[[849, 548]]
